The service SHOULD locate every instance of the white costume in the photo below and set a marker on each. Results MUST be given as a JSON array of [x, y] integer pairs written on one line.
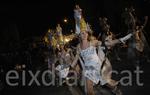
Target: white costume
[[92, 65], [63, 70], [63, 67]]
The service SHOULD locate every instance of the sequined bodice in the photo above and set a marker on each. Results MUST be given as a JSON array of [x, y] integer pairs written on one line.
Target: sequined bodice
[[89, 55]]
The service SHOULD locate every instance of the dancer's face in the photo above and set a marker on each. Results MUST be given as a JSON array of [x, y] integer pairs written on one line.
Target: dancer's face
[[84, 35]]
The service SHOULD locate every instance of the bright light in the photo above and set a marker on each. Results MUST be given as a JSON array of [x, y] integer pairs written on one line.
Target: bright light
[[65, 20]]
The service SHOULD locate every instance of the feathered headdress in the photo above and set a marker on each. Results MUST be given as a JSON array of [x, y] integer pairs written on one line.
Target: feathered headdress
[[83, 25]]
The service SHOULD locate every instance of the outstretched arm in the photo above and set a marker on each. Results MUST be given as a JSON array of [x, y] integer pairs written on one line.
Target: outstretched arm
[[110, 44]]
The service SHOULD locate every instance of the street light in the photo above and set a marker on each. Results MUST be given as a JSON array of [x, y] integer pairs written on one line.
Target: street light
[[65, 20]]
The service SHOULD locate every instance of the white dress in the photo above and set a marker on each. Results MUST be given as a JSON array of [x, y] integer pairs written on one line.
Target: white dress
[[63, 67], [92, 65]]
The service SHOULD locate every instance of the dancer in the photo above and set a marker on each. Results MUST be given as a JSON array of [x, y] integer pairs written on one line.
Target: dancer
[[91, 61], [64, 60], [92, 64]]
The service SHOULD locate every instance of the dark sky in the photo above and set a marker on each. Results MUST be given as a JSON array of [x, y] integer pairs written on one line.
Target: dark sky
[[35, 16], [26, 20]]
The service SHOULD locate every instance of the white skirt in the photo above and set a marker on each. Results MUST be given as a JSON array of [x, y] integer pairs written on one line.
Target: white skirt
[[92, 72]]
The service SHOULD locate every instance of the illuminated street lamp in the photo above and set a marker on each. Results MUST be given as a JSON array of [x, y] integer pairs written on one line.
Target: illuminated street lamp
[[65, 20]]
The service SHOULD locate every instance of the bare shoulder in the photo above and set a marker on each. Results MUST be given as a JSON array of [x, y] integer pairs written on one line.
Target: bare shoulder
[[96, 42]]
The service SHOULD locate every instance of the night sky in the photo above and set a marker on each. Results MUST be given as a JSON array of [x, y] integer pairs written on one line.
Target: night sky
[[21, 21]]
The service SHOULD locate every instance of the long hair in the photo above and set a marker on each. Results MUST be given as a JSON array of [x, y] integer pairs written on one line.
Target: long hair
[[89, 38]]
